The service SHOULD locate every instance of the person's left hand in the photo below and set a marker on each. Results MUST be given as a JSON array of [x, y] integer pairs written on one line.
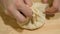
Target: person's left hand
[[19, 9]]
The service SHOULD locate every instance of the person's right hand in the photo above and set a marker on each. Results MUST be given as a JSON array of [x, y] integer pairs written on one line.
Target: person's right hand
[[17, 7], [54, 8]]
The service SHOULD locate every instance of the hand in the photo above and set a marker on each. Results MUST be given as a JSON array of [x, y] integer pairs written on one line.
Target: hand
[[54, 8], [20, 9]]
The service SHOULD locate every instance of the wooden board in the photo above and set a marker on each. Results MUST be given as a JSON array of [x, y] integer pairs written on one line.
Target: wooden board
[[9, 26]]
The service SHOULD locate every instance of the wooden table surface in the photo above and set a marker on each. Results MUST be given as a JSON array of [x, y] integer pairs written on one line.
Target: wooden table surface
[[9, 26]]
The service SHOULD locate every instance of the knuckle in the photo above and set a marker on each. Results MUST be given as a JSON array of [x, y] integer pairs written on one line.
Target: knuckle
[[17, 4], [10, 8]]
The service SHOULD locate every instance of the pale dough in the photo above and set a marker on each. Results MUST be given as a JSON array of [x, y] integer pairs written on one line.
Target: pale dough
[[38, 16]]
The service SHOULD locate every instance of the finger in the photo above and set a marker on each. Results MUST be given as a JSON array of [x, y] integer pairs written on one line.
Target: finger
[[28, 2], [45, 1], [51, 10], [59, 8], [27, 11], [19, 3], [56, 3], [16, 14]]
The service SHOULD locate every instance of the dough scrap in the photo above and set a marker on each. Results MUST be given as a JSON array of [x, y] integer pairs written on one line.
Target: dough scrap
[[38, 16]]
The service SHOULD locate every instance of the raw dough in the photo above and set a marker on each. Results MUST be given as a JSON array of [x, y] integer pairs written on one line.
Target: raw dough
[[38, 18]]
